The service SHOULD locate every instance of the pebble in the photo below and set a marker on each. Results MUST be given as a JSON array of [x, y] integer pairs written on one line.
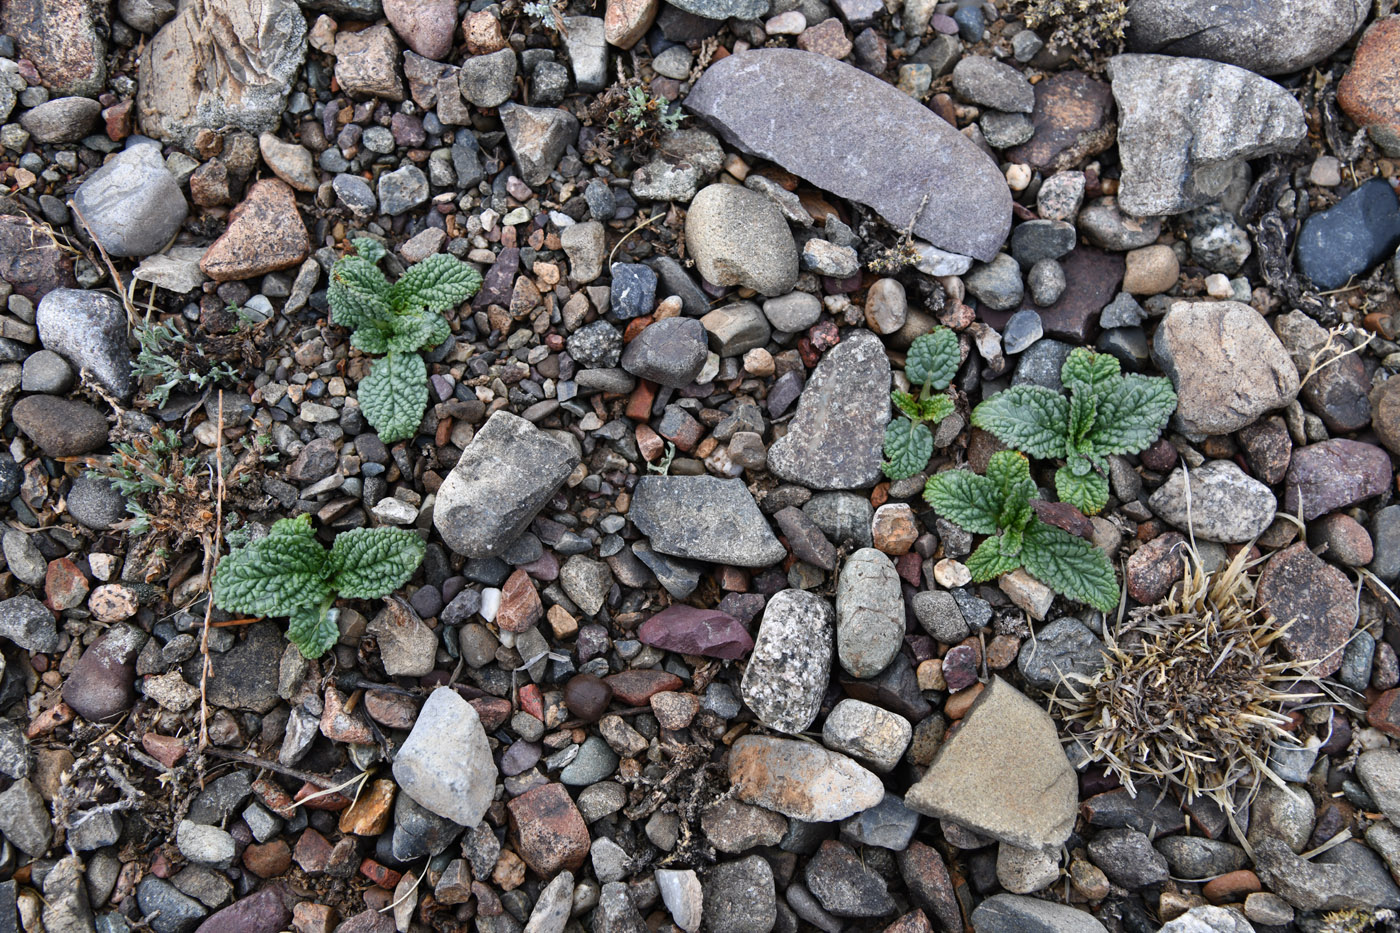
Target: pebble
[[739, 237], [537, 137], [800, 780], [669, 352], [1016, 913], [62, 120], [873, 736], [1366, 91], [1150, 270], [88, 329], [132, 204], [705, 632], [981, 80], [1299, 586], [445, 763], [777, 102], [739, 897], [787, 672], [683, 896], [1222, 503], [426, 28], [24, 818], [60, 428], [793, 312], [265, 234], [289, 162], [1333, 475], [548, 830], [1184, 121], [1003, 774], [1229, 381], [997, 284], [502, 480], [1207, 919], [1367, 221], [703, 518], [1063, 650]]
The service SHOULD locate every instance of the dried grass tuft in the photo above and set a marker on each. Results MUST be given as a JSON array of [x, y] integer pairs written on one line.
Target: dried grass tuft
[[1193, 692]]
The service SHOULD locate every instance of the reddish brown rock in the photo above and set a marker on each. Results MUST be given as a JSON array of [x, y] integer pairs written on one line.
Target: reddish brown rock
[[548, 831], [635, 688], [520, 604], [265, 234], [1384, 713], [267, 860], [1154, 567], [262, 912], [1267, 448], [340, 726], [367, 921], [167, 749], [372, 811], [1345, 539], [913, 922], [30, 259], [391, 709], [425, 26], [60, 39], [1298, 585], [626, 21], [688, 630], [313, 853], [483, 33], [1368, 91], [308, 917], [1334, 474], [826, 38], [1072, 122], [102, 684], [64, 585]]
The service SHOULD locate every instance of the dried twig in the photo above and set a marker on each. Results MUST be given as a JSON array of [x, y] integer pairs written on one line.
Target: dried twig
[[211, 562], [246, 759]]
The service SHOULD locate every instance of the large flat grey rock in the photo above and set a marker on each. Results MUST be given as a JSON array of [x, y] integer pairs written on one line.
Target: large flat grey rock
[[858, 137], [503, 479], [704, 518], [1185, 123], [1268, 36]]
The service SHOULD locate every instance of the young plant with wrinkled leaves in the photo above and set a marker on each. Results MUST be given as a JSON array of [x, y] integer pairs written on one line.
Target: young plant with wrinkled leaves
[[1106, 413], [398, 321], [289, 573], [999, 504], [930, 365]]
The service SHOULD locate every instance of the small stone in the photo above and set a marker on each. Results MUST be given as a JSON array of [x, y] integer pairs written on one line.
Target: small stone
[[1151, 270], [1334, 474], [997, 284], [1015, 913], [265, 234], [788, 670], [682, 893], [705, 632], [670, 352], [538, 137], [703, 518], [366, 63], [1223, 503], [800, 780], [738, 237], [24, 819], [132, 204], [1300, 587], [869, 613], [289, 162], [548, 831], [445, 764], [871, 735]]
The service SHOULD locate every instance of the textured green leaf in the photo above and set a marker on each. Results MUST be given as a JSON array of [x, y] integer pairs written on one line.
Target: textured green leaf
[[906, 404], [1029, 418], [1070, 565], [411, 330], [936, 409], [394, 395], [275, 574], [970, 501], [991, 559], [1011, 472], [369, 249], [313, 630], [367, 563], [1090, 373], [1132, 416], [933, 359], [1087, 492], [439, 283], [1083, 409], [358, 292], [908, 445], [373, 336]]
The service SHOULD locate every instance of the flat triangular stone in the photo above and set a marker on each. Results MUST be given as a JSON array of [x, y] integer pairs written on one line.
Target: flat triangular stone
[[1003, 774]]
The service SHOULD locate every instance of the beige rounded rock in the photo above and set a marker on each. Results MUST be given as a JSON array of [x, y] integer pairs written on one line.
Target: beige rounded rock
[[1150, 270], [739, 237]]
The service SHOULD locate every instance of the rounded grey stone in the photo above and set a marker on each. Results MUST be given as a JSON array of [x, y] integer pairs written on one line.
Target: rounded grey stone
[[869, 613], [132, 204], [788, 670]]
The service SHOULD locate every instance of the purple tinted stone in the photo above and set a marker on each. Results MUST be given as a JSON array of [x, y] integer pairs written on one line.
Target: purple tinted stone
[[500, 280], [263, 912], [943, 23], [521, 756], [426, 601], [784, 392], [1334, 474], [544, 568], [687, 630], [743, 606], [960, 668]]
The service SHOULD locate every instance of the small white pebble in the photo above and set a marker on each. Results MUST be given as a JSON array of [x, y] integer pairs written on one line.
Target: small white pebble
[[1218, 286], [490, 603], [950, 573], [1326, 172], [1018, 176]]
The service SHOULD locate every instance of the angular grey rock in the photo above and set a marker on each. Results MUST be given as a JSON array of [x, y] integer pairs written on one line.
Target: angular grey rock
[[788, 670], [588, 52], [740, 897], [670, 352], [735, 329], [204, 845], [88, 329], [889, 825], [836, 440], [873, 736], [1268, 36], [739, 237], [1208, 920], [445, 764], [219, 64], [24, 818], [869, 613], [1184, 123], [538, 137], [1351, 875], [683, 896], [166, 908], [1064, 649], [725, 9], [801, 780], [1226, 363], [1223, 504], [488, 80], [402, 190], [551, 910], [66, 905], [132, 204], [1003, 774], [1126, 856], [704, 518], [1379, 772], [500, 483], [1199, 857], [938, 612], [781, 104], [28, 624], [1015, 913], [979, 79]]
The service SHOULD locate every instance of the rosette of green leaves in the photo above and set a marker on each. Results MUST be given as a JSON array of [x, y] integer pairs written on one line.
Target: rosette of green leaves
[[398, 321], [931, 364], [999, 504], [1106, 413], [289, 573]]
